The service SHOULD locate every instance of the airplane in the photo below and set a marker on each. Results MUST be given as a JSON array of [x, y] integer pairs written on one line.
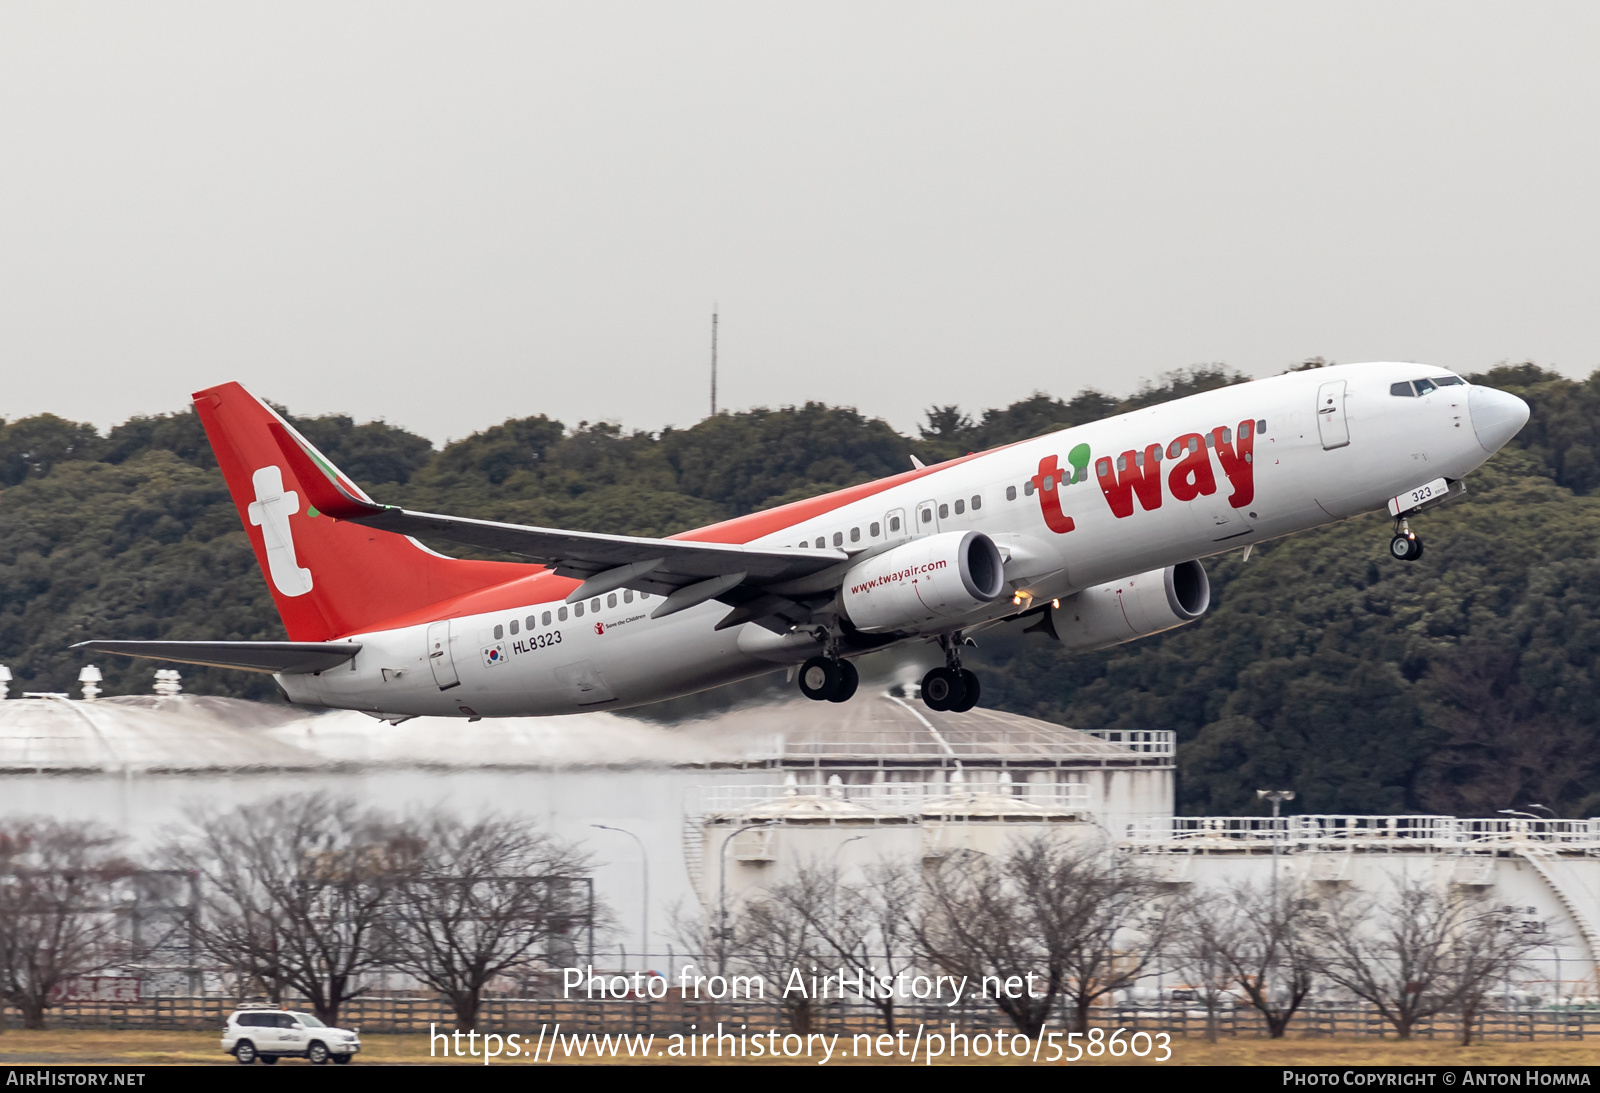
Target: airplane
[[1094, 532]]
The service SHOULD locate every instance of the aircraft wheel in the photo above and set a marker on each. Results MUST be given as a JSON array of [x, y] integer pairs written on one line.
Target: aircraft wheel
[[972, 689], [849, 680], [819, 678], [943, 689], [1407, 548]]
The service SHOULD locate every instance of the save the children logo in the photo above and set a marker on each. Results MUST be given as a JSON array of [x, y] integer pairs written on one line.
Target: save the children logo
[[599, 628]]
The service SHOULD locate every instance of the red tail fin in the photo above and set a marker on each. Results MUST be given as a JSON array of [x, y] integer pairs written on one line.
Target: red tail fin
[[327, 578]]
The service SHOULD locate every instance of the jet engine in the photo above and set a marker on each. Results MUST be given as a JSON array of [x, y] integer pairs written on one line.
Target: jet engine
[[917, 585], [1134, 607]]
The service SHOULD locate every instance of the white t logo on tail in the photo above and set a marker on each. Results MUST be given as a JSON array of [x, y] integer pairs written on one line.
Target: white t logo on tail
[[270, 512]]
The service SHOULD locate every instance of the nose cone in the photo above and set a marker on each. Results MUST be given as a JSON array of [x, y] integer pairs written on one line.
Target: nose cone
[[1496, 416]]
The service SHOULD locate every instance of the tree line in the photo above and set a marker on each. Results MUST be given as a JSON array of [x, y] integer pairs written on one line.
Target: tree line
[[303, 896], [1057, 923], [1462, 684]]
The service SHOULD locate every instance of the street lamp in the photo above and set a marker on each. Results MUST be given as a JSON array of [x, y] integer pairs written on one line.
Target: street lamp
[[1514, 812], [644, 860], [1276, 797], [722, 891], [1545, 808]]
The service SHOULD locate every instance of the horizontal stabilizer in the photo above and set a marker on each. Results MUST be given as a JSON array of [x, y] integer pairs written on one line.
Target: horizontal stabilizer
[[289, 657]]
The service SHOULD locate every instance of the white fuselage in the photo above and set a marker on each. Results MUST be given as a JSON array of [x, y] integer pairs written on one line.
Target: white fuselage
[[618, 656]]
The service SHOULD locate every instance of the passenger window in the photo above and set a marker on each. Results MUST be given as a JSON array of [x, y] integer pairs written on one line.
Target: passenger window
[[944, 511], [977, 502], [561, 615], [611, 600], [894, 523], [594, 604], [627, 595], [874, 529], [644, 595], [1402, 390], [1011, 493], [499, 632], [838, 538], [1244, 430], [961, 506], [545, 618], [855, 535], [1027, 488], [1122, 462], [1261, 426], [515, 626], [821, 542], [1227, 435], [577, 610], [927, 516]]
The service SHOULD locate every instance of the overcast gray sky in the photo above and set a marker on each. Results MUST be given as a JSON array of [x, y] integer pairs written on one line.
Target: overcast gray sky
[[448, 214]]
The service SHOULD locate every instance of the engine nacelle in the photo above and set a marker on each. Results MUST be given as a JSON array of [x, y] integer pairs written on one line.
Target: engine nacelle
[[920, 584], [1133, 607]]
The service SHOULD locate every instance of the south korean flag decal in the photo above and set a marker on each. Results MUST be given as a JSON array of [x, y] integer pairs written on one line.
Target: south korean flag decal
[[494, 654]]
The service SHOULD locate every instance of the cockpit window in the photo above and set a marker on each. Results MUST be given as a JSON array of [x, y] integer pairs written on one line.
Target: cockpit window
[[1422, 387]]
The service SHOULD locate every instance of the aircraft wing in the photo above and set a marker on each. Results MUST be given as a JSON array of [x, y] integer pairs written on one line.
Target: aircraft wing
[[687, 573], [289, 657]]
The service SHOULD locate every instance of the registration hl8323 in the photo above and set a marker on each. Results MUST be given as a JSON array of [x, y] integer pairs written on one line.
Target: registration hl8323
[[534, 642], [1070, 1047]]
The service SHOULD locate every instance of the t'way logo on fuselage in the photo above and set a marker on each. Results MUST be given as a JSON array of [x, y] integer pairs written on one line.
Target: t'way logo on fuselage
[[1137, 474]]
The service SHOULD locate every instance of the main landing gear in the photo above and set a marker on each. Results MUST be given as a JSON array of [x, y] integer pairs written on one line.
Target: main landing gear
[[952, 687], [829, 678], [1405, 545]]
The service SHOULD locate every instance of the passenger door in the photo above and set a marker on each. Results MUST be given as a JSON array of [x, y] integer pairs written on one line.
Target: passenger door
[[1331, 425], [439, 656], [927, 518]]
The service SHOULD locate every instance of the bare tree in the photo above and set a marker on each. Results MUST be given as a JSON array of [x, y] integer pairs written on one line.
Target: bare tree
[[58, 917], [863, 930], [1270, 941], [1492, 945], [294, 891], [477, 900], [1046, 919], [773, 938], [1420, 952], [1201, 947]]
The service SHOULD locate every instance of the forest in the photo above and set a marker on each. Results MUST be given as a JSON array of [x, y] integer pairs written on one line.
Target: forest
[[1461, 684]]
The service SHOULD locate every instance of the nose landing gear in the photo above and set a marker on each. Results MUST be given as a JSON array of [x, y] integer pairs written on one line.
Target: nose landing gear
[[952, 687], [1405, 545]]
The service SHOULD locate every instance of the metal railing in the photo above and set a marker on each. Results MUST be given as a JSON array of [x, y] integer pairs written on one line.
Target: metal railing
[[901, 798], [1350, 831], [1007, 743]]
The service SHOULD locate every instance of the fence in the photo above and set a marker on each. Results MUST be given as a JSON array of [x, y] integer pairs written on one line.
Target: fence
[[420, 1014]]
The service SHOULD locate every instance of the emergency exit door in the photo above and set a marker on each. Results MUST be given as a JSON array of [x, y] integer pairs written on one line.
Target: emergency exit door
[[1331, 425]]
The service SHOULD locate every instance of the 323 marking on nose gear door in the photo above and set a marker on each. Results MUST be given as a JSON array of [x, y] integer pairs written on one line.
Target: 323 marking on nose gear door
[[1420, 496]]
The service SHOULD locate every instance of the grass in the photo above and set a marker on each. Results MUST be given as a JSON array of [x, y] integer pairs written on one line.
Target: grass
[[70, 1047]]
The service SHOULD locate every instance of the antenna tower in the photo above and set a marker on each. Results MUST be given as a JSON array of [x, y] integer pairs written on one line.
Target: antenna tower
[[713, 360]]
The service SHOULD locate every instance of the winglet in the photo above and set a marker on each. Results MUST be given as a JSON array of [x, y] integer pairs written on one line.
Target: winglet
[[323, 491]]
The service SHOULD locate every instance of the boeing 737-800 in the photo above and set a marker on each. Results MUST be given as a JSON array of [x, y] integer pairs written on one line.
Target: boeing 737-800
[[1095, 531]]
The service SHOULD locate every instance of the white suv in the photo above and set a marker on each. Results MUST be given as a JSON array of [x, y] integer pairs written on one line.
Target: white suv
[[268, 1033]]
